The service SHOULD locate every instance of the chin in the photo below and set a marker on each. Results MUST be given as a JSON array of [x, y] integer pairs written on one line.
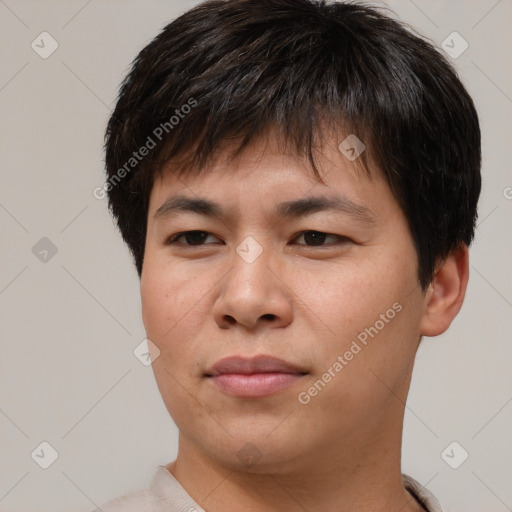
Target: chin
[[258, 452]]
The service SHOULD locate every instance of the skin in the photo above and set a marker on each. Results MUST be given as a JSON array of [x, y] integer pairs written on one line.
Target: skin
[[304, 303]]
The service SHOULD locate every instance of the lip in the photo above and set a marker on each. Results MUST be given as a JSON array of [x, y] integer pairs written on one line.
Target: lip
[[257, 364], [253, 377]]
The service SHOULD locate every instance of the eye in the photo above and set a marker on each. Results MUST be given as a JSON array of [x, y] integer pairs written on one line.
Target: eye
[[195, 237], [312, 238], [316, 238]]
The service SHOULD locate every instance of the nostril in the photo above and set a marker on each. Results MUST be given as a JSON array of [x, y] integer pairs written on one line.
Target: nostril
[[230, 320]]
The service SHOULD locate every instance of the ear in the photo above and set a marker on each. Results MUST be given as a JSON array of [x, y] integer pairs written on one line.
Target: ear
[[446, 292]]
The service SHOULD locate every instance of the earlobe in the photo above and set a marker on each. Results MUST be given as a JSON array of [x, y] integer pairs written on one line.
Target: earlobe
[[446, 293]]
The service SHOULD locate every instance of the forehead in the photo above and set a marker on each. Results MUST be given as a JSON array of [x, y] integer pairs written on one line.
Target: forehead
[[267, 179], [272, 156]]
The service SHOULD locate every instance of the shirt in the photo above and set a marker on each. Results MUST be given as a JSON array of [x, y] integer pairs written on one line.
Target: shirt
[[165, 494]]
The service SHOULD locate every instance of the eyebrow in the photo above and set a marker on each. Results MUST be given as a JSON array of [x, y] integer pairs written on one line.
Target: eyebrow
[[287, 210]]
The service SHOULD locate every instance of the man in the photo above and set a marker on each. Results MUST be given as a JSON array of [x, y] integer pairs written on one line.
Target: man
[[297, 182]]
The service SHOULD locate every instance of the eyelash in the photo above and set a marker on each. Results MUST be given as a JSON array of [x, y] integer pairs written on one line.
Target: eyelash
[[173, 239]]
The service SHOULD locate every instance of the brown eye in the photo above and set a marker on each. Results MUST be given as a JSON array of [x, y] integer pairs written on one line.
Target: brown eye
[[317, 238], [193, 238]]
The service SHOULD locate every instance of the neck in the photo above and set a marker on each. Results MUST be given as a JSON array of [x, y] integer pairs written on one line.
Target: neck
[[363, 473]]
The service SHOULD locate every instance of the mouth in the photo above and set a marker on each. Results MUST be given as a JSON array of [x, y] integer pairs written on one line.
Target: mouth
[[255, 377]]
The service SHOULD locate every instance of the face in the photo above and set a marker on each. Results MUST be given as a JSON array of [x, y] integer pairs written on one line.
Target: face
[[333, 292]]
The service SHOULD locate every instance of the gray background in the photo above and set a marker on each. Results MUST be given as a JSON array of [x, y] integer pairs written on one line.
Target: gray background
[[70, 324]]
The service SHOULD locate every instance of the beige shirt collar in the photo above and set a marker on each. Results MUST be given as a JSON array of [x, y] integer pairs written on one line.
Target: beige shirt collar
[[168, 491]]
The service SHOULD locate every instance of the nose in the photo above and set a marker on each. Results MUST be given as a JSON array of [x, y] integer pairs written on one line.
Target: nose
[[252, 294]]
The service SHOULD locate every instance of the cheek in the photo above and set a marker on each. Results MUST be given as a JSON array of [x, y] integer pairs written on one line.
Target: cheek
[[165, 298], [156, 302], [173, 311], [348, 297], [376, 302], [171, 316]]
